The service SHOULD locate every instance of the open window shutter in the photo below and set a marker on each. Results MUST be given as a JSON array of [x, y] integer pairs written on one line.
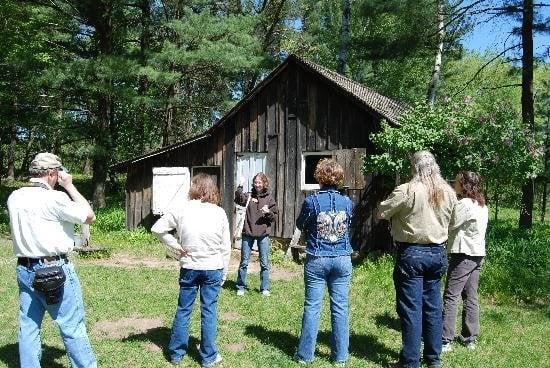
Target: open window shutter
[[352, 162], [170, 187]]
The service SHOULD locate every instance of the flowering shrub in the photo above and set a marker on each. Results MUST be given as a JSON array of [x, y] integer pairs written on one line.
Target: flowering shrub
[[462, 136]]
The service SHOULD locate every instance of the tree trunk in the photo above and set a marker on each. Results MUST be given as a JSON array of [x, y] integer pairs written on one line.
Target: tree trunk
[[102, 152], [26, 157], [169, 117], [436, 72], [344, 38], [546, 169], [527, 108], [12, 146], [141, 115]]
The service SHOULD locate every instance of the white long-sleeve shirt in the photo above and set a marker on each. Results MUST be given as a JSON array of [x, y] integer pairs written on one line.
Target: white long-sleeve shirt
[[468, 227], [203, 232]]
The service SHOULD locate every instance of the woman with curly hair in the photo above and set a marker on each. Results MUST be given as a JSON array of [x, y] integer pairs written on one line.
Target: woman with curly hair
[[467, 250], [325, 218], [420, 212]]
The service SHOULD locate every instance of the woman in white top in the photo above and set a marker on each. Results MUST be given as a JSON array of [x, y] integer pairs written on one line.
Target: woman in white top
[[204, 246], [467, 249]]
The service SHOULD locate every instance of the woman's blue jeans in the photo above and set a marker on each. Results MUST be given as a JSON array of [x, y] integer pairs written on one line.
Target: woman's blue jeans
[[208, 282], [246, 249], [417, 277], [335, 272], [68, 314]]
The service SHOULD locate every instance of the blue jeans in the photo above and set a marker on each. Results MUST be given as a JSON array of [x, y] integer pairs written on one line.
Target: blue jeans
[[417, 277], [246, 248], [335, 272], [209, 284], [68, 314]]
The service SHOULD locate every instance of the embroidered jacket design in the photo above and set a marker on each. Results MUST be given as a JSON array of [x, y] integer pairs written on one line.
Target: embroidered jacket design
[[332, 226]]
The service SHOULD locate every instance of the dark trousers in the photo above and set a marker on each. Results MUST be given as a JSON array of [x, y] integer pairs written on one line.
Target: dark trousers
[[462, 281], [417, 277]]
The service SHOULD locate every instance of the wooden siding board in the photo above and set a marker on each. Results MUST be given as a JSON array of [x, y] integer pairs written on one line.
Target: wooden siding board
[[312, 114], [254, 125], [321, 108], [228, 174], [333, 138], [281, 122], [262, 114], [291, 139], [301, 141]]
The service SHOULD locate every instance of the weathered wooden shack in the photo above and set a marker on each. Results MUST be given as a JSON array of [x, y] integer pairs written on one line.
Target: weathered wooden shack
[[298, 114]]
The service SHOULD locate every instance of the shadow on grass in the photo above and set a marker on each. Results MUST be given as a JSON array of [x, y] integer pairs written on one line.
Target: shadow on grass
[[387, 320], [9, 355], [229, 285], [361, 346], [160, 337]]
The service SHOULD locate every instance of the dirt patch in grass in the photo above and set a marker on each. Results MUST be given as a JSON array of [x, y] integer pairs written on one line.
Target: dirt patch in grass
[[125, 327], [234, 348], [230, 316], [124, 260]]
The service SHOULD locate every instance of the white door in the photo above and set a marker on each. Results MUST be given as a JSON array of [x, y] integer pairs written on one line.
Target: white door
[[248, 165]]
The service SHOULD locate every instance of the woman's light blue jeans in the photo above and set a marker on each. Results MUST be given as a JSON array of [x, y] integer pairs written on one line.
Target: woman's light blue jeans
[[208, 282], [335, 272], [246, 249], [68, 314]]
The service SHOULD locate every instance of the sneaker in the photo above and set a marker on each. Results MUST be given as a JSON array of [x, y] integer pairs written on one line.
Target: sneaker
[[300, 361], [446, 347], [470, 345], [240, 292], [216, 361], [266, 293]]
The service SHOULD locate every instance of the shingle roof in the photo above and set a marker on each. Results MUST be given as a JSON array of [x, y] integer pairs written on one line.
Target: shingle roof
[[385, 106], [380, 104]]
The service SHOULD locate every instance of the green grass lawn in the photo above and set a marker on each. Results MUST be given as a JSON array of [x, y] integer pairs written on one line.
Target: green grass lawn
[[130, 310]]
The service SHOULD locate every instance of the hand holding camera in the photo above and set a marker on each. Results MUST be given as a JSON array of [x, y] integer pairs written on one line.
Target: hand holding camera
[[64, 179]]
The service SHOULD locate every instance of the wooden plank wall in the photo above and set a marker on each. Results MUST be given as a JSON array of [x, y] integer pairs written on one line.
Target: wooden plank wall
[[296, 112]]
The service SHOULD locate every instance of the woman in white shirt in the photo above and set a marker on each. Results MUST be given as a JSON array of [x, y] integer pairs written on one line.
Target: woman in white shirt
[[204, 247], [467, 249]]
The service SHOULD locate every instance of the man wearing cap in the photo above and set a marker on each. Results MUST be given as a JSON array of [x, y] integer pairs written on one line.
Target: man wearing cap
[[42, 227]]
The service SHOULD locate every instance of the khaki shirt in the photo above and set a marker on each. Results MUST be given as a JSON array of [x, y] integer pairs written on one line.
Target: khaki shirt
[[467, 228], [413, 220]]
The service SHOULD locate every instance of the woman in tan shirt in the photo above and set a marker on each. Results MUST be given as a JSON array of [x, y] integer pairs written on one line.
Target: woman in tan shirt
[[420, 211]]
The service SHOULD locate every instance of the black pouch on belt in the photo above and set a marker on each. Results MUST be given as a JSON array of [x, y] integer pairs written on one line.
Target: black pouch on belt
[[50, 281]]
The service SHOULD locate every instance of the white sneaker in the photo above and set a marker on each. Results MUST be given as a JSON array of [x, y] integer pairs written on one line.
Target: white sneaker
[[446, 347], [216, 361], [471, 345], [240, 292], [266, 293]]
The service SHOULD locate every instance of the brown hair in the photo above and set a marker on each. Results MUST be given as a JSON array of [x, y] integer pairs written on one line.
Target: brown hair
[[470, 182], [204, 188], [329, 172], [263, 178]]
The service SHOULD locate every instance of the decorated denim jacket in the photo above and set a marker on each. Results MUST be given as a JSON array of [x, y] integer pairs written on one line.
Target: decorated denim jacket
[[326, 219]]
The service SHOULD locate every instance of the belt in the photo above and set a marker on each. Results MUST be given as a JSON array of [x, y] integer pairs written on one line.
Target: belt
[[31, 262], [404, 245]]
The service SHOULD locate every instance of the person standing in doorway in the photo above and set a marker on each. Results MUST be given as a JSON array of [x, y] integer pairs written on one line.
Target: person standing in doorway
[[42, 228], [467, 250], [420, 212], [261, 210]]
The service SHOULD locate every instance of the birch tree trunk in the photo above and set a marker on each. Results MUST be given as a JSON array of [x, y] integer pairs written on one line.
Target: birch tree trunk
[[436, 72]]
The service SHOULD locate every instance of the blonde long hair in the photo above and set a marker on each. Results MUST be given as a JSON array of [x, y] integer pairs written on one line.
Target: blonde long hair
[[426, 171]]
